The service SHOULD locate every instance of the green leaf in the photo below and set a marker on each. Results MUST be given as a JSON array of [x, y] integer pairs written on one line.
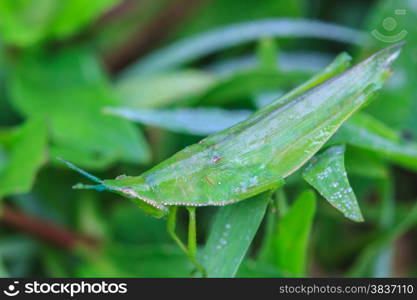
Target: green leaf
[[163, 89], [327, 174], [27, 153], [69, 90], [279, 207], [307, 62], [366, 132], [27, 22], [73, 15], [293, 234], [198, 46], [197, 121], [231, 234]]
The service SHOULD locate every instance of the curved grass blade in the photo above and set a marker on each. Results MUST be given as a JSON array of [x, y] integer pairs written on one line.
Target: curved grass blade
[[302, 61], [293, 233], [364, 131], [327, 174], [146, 92], [198, 121], [215, 40], [231, 234]]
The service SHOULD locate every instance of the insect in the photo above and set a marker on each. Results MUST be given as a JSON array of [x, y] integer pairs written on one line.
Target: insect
[[256, 154]]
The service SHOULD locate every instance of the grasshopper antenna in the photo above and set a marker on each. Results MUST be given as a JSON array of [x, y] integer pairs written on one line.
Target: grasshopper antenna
[[97, 187], [81, 171]]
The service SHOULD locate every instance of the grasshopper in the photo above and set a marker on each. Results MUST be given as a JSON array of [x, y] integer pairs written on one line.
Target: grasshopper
[[257, 154]]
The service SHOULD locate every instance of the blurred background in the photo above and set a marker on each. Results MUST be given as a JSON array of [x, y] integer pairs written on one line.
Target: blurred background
[[117, 86]]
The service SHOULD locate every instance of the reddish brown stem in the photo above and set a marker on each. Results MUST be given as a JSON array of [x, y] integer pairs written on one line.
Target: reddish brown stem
[[45, 230], [118, 11], [145, 39]]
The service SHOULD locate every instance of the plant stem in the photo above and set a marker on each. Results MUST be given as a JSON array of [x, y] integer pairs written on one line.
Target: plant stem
[[45, 230], [153, 34]]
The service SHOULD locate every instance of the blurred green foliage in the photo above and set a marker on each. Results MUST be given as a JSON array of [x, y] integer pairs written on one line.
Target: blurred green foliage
[[25, 23], [59, 79]]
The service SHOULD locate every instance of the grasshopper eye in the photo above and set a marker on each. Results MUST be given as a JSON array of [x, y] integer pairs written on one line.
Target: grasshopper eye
[[215, 159]]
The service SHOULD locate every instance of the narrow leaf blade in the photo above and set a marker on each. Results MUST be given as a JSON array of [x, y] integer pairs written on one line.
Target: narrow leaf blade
[[366, 132], [231, 234], [222, 38], [293, 234], [146, 92], [197, 121]]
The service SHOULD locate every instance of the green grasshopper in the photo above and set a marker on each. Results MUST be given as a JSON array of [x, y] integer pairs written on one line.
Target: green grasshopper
[[257, 154]]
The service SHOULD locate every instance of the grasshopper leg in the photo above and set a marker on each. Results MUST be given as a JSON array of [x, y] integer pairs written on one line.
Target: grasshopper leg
[[191, 250]]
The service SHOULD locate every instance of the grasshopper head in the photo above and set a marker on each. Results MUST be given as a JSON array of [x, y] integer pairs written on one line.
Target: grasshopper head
[[133, 188], [136, 189]]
